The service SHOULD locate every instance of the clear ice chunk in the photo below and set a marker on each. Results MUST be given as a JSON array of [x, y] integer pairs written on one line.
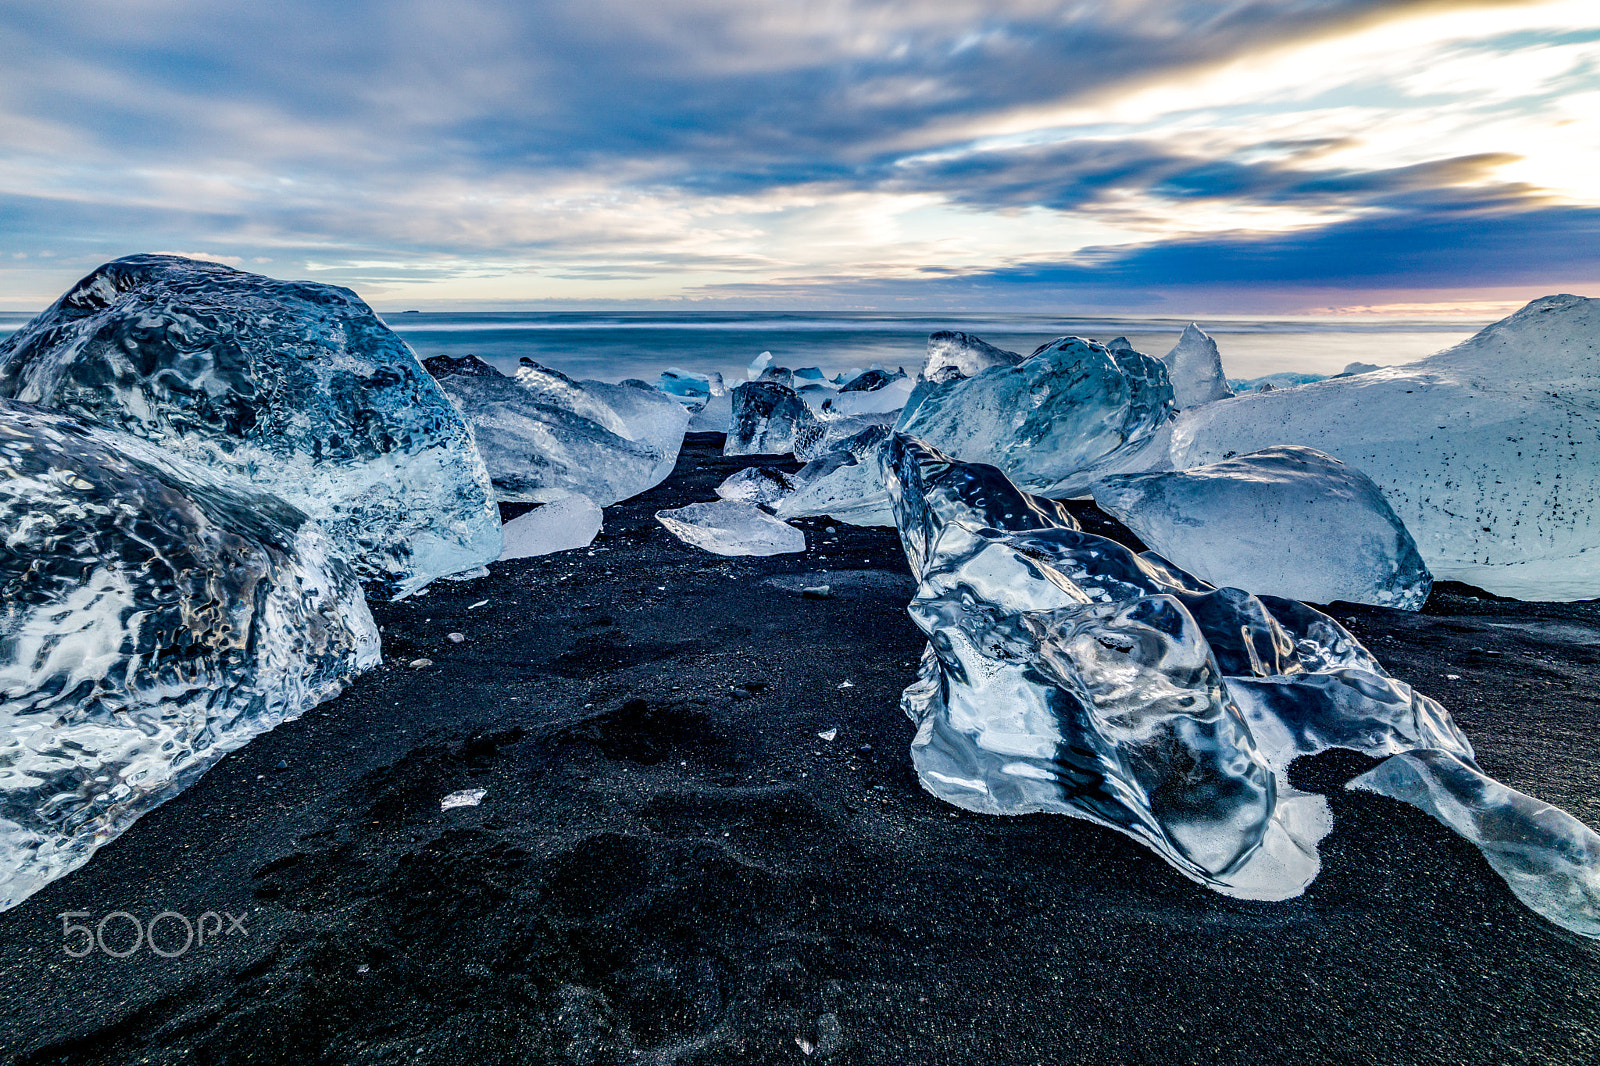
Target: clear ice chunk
[[953, 355], [727, 527], [151, 620], [763, 486], [648, 417], [291, 388], [1284, 521], [814, 439], [1195, 368], [570, 522], [1054, 421], [765, 417], [1064, 673], [1486, 450], [715, 416], [555, 389], [537, 451], [845, 483]]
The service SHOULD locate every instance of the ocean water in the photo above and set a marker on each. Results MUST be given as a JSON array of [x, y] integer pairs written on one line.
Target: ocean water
[[612, 346]]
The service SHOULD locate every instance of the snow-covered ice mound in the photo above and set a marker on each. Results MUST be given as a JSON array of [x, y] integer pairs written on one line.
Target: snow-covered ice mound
[[570, 522], [1285, 521], [1053, 420], [765, 417], [152, 621], [1195, 368], [287, 387], [538, 451], [1064, 673], [1489, 451], [728, 527]]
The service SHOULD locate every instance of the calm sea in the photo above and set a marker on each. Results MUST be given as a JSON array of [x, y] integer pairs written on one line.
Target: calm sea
[[612, 345]]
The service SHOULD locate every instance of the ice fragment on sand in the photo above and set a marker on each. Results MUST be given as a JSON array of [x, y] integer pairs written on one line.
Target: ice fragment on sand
[[467, 797], [1284, 521], [846, 483], [291, 388], [726, 527], [153, 620], [828, 734], [570, 522], [764, 419], [1486, 450], [1195, 368], [763, 486]]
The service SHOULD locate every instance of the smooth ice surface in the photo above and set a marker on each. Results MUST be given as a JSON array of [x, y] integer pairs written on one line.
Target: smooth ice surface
[[570, 522], [287, 387], [1487, 451], [953, 355], [1195, 368], [538, 451], [727, 527], [846, 483], [1547, 857], [760, 485], [1284, 521], [1052, 421], [1064, 673], [151, 620], [715, 416], [765, 417]]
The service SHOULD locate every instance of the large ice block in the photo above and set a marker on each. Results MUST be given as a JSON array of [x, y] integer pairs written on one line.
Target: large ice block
[[648, 417], [1053, 421], [1486, 450], [727, 527], [765, 417], [153, 619], [288, 387], [1195, 368], [1284, 521]]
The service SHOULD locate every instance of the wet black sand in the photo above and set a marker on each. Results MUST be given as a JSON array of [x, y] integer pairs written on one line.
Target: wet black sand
[[671, 866]]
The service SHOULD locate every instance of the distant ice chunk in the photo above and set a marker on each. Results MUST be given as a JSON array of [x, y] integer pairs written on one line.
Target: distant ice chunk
[[758, 365], [765, 416], [154, 619], [809, 375], [467, 797], [1284, 521], [291, 388], [1486, 450], [689, 388], [726, 527], [763, 486], [570, 522], [1358, 368], [953, 355], [779, 375], [537, 451], [1195, 369], [845, 483], [1055, 421]]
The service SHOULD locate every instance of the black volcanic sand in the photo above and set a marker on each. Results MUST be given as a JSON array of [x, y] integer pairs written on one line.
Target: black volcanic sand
[[671, 865]]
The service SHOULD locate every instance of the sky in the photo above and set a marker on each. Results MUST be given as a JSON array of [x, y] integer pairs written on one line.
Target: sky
[[1166, 156]]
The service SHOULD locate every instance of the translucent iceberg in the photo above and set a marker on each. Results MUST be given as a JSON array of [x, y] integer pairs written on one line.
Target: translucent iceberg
[[763, 486], [291, 388], [538, 452], [555, 389], [765, 416], [1195, 368], [726, 527], [152, 621], [1053, 421], [689, 388], [1285, 521], [1064, 673], [570, 522], [874, 391], [845, 483], [1486, 450]]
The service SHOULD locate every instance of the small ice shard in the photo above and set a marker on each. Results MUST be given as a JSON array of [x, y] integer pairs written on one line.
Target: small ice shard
[[953, 355], [846, 484], [764, 419], [456, 638], [154, 619], [1053, 422], [1284, 521], [758, 365], [845, 684], [829, 734], [538, 451], [467, 797], [763, 486], [1548, 858], [570, 522], [475, 606], [419, 664], [816, 592], [726, 527], [1195, 368], [291, 388], [1486, 450]]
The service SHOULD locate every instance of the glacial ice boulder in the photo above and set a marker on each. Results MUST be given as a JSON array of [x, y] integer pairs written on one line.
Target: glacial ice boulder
[[727, 527], [845, 483], [1284, 521], [1487, 450], [1053, 422], [152, 619], [763, 486], [538, 451], [570, 522], [554, 389], [288, 387], [765, 417], [1195, 368], [1064, 673], [648, 418], [953, 355]]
